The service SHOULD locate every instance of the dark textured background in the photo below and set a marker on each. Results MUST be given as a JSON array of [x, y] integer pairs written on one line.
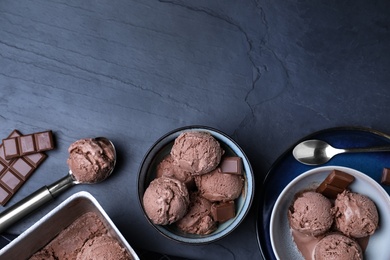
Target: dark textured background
[[267, 73]]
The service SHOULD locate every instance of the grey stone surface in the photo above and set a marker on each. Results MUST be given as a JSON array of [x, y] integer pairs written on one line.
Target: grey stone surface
[[265, 72]]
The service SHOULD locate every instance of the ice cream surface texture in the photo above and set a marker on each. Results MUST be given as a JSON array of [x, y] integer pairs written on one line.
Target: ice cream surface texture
[[337, 247], [197, 152], [90, 160], [166, 200], [219, 186], [355, 214], [311, 213], [198, 219], [102, 248], [167, 168], [69, 242]]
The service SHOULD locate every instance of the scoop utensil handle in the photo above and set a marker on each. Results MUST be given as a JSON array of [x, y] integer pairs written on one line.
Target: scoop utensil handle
[[34, 201]]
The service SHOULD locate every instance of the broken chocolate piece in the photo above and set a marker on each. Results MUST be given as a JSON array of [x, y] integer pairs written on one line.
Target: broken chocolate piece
[[223, 211], [232, 165], [14, 172], [335, 183], [27, 144], [385, 176]]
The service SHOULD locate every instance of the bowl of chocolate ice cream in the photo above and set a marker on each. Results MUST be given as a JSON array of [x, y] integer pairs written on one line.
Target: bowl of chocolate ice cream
[[331, 212], [195, 185]]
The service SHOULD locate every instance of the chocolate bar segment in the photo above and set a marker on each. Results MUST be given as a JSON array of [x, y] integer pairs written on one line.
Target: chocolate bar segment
[[232, 165], [27, 144], [335, 183], [223, 211], [11, 148], [385, 176], [15, 171]]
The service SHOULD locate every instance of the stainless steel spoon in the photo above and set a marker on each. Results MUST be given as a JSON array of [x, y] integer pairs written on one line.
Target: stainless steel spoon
[[316, 152], [45, 194]]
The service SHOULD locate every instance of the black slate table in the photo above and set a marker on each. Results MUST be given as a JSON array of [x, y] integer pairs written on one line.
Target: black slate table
[[267, 73]]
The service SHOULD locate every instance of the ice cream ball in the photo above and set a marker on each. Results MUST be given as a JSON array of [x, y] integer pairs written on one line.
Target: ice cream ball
[[167, 168], [166, 200], [197, 152], [198, 219], [90, 160], [336, 246], [311, 213], [356, 215], [219, 186]]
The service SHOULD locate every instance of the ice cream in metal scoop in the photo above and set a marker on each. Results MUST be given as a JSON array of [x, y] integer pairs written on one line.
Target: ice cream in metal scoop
[[316, 152], [90, 161]]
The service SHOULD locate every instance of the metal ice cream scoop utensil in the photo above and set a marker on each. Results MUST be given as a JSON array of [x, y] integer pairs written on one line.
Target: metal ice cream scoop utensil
[[45, 194], [316, 152]]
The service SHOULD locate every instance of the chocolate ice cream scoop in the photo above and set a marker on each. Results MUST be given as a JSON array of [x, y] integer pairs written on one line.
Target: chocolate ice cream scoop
[[311, 214], [356, 215], [99, 172], [197, 152], [91, 160], [166, 200], [337, 246]]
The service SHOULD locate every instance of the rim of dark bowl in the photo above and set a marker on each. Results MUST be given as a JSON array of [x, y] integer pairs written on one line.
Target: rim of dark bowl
[[235, 222]]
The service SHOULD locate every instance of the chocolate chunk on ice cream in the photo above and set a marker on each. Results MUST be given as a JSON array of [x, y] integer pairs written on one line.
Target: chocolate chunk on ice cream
[[337, 246], [198, 219], [196, 152], [219, 186], [355, 214], [311, 213], [166, 200], [90, 160]]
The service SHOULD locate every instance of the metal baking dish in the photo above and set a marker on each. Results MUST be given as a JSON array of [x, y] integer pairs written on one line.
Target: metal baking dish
[[47, 228]]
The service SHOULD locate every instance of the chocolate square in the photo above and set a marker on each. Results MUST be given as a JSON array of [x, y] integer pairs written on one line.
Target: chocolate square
[[385, 176], [11, 148], [10, 180], [5, 195], [2, 167], [44, 141], [223, 211], [26, 144], [22, 168], [232, 165], [35, 159]]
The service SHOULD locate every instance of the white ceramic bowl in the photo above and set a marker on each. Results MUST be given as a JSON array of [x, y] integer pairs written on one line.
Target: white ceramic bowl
[[281, 239], [161, 148]]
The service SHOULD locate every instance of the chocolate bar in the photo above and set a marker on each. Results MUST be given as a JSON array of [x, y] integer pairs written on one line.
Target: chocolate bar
[[223, 211], [385, 176], [14, 172], [27, 144], [335, 183], [232, 165]]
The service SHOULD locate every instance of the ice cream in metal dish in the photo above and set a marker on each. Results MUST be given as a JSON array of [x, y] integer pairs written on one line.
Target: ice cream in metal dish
[[85, 238]]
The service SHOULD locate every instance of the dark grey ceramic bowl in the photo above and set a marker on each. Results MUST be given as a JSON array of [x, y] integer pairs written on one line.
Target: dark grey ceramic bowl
[[161, 148]]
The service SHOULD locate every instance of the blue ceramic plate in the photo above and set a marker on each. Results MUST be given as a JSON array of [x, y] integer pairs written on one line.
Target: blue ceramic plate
[[286, 168]]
